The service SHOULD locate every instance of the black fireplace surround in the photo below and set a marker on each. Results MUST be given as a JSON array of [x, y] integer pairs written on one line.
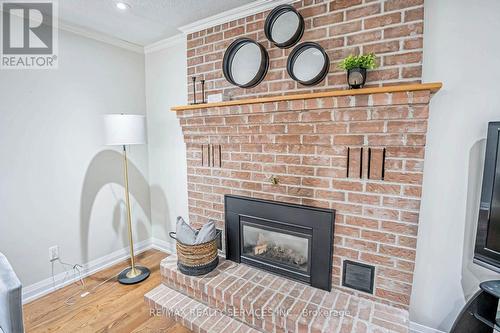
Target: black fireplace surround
[[291, 240]]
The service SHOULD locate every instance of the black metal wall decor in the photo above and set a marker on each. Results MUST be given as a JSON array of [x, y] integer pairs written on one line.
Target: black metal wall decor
[[245, 63], [366, 163], [308, 63], [284, 26], [211, 156]]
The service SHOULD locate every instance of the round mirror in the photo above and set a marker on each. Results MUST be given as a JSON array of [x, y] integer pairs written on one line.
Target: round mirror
[[284, 26], [308, 63], [245, 63]]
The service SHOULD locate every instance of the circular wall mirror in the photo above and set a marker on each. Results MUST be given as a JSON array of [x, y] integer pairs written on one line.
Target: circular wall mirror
[[284, 26], [308, 63], [245, 63]]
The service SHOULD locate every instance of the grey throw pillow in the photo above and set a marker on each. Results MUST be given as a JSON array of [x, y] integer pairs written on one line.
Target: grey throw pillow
[[184, 232], [207, 233]]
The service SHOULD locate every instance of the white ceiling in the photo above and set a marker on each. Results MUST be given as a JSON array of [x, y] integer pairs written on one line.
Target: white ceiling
[[146, 22]]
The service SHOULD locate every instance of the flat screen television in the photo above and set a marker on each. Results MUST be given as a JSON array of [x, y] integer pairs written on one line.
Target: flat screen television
[[487, 249]]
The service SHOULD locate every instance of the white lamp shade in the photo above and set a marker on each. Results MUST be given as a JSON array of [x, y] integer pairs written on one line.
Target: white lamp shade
[[125, 129]]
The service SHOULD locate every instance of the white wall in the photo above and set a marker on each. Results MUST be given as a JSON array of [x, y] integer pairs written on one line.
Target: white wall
[[460, 49], [166, 84], [58, 184]]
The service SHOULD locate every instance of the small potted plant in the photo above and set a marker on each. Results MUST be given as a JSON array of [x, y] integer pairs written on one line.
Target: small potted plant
[[356, 67]]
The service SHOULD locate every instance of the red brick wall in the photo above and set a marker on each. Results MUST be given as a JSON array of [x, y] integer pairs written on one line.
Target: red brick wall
[[393, 29], [304, 143]]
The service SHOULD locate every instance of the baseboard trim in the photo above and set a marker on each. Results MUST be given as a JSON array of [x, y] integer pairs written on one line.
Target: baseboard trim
[[44, 287], [418, 328], [161, 245]]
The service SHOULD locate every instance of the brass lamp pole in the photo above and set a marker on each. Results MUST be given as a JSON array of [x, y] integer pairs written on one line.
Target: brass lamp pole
[[133, 271], [126, 130]]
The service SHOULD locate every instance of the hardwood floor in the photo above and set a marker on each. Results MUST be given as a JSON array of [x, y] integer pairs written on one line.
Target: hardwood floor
[[112, 307]]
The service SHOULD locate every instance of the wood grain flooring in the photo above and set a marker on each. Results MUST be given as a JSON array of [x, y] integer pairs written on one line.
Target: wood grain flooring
[[112, 307]]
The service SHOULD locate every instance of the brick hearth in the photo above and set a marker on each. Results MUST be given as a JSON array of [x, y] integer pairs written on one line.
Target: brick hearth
[[191, 313], [239, 298]]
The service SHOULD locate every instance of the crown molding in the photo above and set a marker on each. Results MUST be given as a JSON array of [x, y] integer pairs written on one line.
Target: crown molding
[[227, 16], [99, 36], [94, 34], [165, 43], [233, 14]]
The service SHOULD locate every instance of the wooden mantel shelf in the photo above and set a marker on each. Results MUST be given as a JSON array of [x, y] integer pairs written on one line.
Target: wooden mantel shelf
[[433, 87]]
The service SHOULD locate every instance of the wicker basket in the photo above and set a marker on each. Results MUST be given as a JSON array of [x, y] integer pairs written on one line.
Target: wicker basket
[[197, 259]]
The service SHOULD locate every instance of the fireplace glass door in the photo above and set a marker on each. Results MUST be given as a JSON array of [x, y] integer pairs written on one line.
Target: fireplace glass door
[[276, 247]]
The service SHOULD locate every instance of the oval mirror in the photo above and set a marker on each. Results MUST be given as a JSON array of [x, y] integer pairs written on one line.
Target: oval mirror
[[284, 26], [245, 63], [308, 63]]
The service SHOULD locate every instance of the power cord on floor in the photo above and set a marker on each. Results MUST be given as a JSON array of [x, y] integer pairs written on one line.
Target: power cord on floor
[[72, 299], [77, 271], [76, 268]]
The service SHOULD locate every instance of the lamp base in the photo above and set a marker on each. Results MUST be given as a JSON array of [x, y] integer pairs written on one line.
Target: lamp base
[[128, 276]]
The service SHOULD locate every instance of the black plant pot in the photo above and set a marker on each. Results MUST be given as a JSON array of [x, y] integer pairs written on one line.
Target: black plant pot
[[356, 77]]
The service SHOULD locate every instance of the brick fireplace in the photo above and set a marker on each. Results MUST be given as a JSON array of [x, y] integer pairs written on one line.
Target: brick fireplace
[[323, 152], [359, 153]]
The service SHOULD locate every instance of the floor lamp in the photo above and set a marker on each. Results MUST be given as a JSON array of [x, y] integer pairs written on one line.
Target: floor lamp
[[124, 130]]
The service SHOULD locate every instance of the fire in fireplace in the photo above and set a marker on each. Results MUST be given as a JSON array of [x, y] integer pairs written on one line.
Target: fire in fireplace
[[275, 246], [290, 240]]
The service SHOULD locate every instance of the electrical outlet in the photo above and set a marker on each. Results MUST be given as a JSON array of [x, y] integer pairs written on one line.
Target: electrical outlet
[[53, 253]]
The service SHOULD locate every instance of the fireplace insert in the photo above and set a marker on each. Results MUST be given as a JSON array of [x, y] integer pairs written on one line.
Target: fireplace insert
[[291, 240]]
